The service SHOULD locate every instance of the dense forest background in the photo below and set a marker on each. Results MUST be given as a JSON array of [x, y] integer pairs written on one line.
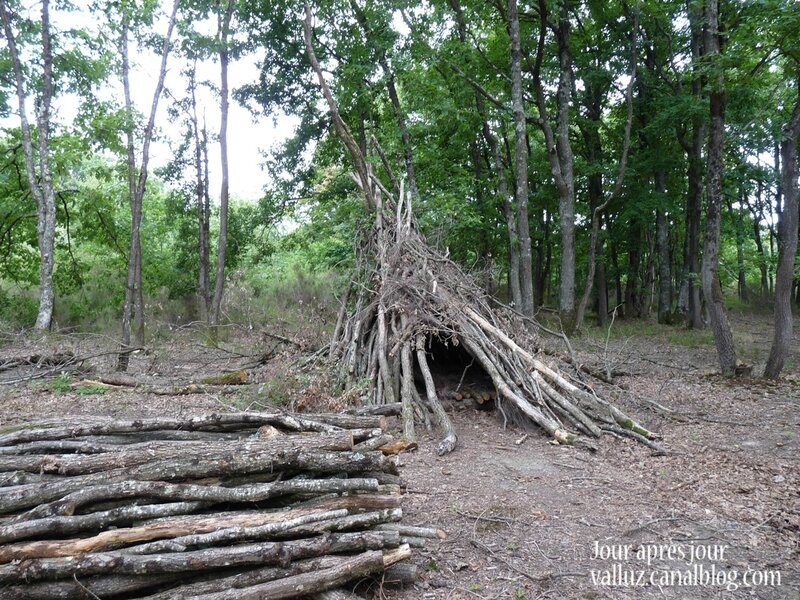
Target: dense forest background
[[594, 160]]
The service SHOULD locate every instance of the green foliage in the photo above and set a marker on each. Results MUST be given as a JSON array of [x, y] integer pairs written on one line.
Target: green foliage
[[90, 389], [294, 247], [61, 384], [18, 308]]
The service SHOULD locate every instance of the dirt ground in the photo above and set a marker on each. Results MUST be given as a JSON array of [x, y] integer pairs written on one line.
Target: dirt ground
[[718, 517]]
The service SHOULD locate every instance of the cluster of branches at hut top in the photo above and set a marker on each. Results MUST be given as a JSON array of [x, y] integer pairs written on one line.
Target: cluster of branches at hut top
[[409, 293]]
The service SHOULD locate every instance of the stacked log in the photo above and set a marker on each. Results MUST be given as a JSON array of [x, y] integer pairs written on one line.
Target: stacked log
[[244, 505]]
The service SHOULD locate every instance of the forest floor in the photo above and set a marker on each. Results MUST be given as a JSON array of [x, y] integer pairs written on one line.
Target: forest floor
[[525, 519]]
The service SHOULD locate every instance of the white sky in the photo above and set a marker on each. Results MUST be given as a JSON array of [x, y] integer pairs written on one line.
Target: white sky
[[248, 141]]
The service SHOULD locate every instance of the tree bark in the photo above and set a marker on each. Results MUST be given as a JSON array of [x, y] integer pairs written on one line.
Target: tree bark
[[602, 289], [521, 162], [559, 153], [41, 190], [596, 204], [137, 454], [502, 182], [351, 568], [787, 247], [633, 301], [136, 189], [221, 464], [712, 291], [664, 265], [122, 563], [757, 214], [201, 193], [222, 244], [694, 174], [566, 294]]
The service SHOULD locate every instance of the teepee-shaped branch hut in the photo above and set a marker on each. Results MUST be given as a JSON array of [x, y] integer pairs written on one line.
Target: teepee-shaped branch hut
[[411, 295]]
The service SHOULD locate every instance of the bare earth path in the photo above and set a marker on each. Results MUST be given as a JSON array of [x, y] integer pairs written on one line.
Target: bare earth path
[[525, 518]]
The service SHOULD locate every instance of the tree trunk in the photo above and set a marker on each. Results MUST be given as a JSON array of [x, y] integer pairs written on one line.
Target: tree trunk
[[41, 186], [619, 298], [502, 183], [566, 292], [511, 219], [787, 247], [694, 174], [521, 151], [136, 189], [483, 250], [664, 265], [738, 220], [559, 152], [712, 291], [127, 308], [222, 244], [633, 302], [507, 208], [206, 222], [777, 211], [596, 204], [602, 288], [200, 198], [758, 215]]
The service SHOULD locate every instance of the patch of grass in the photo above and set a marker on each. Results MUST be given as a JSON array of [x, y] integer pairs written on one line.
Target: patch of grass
[[90, 389], [691, 338], [281, 392], [626, 328], [60, 385], [431, 566]]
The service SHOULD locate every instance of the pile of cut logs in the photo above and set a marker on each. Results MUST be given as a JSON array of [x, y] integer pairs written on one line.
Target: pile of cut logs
[[232, 505]]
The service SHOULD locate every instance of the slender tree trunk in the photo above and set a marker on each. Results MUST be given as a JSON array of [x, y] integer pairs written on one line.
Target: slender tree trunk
[[510, 217], [502, 183], [664, 265], [41, 186], [200, 195], [521, 152], [694, 174], [776, 212], [648, 290], [136, 189], [712, 291], [566, 204], [738, 221], [596, 204], [222, 244], [602, 288], [757, 214], [559, 152], [544, 290], [127, 308], [632, 292], [47, 225], [787, 247], [618, 297], [205, 250], [483, 250]]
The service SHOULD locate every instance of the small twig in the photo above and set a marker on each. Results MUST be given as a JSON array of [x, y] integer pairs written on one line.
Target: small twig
[[647, 524]]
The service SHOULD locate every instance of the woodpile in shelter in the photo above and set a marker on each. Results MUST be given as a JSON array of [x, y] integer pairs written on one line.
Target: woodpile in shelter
[[409, 295], [238, 505]]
